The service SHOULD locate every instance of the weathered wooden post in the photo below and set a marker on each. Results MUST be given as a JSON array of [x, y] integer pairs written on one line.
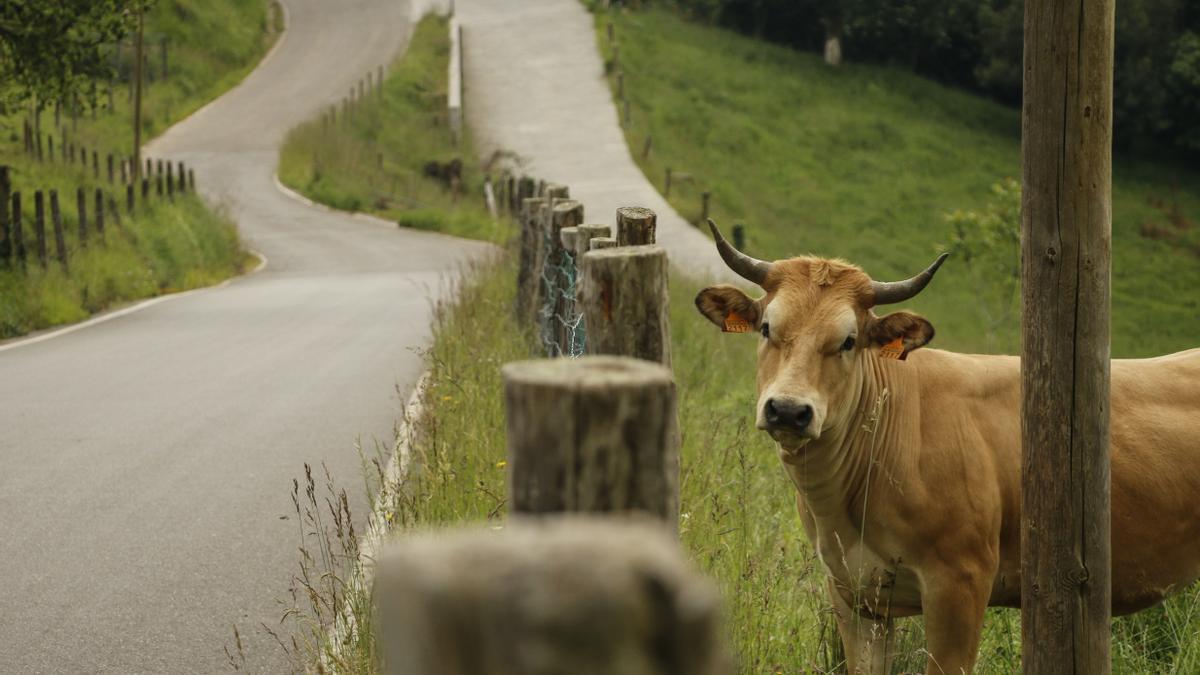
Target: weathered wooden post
[[586, 595], [158, 185], [18, 230], [100, 213], [182, 178], [566, 213], [111, 169], [50, 146], [584, 236], [1066, 240], [171, 181], [704, 197], [597, 433], [39, 227], [739, 236], [96, 164], [602, 243], [191, 180], [81, 209], [6, 237], [636, 226], [528, 271], [624, 300], [145, 189], [124, 173], [646, 148], [60, 242], [129, 198]]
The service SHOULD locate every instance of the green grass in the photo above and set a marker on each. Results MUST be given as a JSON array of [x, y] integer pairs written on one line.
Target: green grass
[[373, 159], [166, 246], [864, 162]]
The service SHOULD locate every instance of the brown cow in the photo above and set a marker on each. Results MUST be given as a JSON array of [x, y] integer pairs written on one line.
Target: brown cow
[[908, 462]]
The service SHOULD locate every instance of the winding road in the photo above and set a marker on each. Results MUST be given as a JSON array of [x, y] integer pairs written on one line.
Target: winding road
[[146, 461]]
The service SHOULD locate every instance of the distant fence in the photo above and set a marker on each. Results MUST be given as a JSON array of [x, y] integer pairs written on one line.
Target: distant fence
[[25, 229]]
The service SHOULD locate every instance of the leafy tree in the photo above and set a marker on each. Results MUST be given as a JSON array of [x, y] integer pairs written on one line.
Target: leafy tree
[[52, 49]]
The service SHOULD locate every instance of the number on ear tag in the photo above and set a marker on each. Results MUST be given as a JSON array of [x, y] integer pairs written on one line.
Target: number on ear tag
[[893, 350], [734, 323]]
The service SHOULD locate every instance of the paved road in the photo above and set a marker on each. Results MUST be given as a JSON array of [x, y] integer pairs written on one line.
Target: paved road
[[146, 462], [535, 86]]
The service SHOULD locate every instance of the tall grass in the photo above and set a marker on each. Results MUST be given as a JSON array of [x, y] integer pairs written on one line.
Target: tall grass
[[374, 159]]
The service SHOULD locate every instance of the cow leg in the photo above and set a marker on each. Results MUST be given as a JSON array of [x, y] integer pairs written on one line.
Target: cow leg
[[954, 600], [868, 642]]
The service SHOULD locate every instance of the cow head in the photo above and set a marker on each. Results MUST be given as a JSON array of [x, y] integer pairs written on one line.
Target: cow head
[[816, 327]]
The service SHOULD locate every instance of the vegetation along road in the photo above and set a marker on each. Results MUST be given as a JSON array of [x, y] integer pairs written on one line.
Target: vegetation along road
[[147, 459]]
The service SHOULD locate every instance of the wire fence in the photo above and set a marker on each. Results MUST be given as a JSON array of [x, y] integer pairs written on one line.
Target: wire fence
[[560, 324]]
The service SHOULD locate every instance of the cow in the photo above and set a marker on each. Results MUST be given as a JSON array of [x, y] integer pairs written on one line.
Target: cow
[[907, 461]]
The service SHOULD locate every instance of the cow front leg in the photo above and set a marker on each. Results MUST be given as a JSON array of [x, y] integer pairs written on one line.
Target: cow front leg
[[954, 600], [868, 642]]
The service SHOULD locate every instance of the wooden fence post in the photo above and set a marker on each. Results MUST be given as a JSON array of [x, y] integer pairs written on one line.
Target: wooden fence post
[[601, 243], [129, 198], [704, 197], [182, 178], [60, 242], [566, 213], [124, 173], [636, 226], [158, 185], [81, 209], [171, 181], [96, 164], [739, 236], [596, 433], [39, 227], [18, 230], [528, 271], [624, 299], [1066, 240], [579, 594], [99, 213], [6, 236], [50, 146], [111, 171], [145, 189]]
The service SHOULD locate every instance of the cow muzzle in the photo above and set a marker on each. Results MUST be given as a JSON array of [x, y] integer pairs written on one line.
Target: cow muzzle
[[789, 420]]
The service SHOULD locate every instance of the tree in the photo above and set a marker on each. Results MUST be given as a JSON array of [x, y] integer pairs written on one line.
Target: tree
[[54, 49]]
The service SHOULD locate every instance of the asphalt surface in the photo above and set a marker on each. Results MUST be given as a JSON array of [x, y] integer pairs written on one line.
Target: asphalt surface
[[146, 462], [535, 87]]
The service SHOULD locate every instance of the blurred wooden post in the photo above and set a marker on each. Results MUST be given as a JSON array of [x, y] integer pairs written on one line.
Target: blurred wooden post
[[60, 242], [149, 168], [567, 213], [489, 197], [129, 198], [636, 226], [18, 230], [624, 300], [145, 189], [111, 169], [124, 173], [578, 594], [704, 197], [667, 184], [454, 92], [601, 243], [528, 271], [596, 433], [99, 210], [191, 180], [158, 185], [39, 227], [647, 146], [81, 209], [182, 178], [50, 146], [7, 249], [583, 239], [1066, 242], [171, 181], [739, 236]]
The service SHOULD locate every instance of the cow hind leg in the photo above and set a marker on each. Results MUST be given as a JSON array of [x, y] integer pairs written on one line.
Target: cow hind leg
[[868, 642]]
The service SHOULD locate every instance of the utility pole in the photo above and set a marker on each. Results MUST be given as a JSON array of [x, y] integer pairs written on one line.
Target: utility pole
[[137, 96], [1066, 241]]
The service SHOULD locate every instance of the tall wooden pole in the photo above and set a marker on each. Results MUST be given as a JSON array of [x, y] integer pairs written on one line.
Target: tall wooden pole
[[1066, 223], [137, 96]]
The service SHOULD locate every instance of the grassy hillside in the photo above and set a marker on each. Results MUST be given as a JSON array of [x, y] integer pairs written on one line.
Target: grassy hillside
[[864, 163], [167, 246], [374, 159]]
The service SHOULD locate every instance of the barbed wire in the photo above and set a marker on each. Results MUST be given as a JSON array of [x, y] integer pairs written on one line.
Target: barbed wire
[[560, 324]]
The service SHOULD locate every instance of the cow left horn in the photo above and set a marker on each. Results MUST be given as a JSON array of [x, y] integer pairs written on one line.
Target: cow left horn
[[750, 269], [890, 292]]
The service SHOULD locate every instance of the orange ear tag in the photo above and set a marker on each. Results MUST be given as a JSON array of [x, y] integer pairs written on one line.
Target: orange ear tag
[[893, 350], [734, 323]]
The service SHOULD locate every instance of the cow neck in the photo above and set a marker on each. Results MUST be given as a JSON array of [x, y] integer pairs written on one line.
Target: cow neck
[[856, 458]]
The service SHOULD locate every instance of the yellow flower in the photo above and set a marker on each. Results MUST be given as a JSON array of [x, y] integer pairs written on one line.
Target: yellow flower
[[501, 464], [447, 398]]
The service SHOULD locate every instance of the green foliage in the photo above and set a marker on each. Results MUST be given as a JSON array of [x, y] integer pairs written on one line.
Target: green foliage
[[987, 243], [374, 158], [51, 49], [861, 162]]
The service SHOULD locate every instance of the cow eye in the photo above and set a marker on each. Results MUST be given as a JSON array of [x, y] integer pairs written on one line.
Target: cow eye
[[848, 344], [765, 330]]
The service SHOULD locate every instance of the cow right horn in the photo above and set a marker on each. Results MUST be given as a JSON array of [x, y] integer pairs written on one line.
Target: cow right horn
[[750, 269], [890, 292]]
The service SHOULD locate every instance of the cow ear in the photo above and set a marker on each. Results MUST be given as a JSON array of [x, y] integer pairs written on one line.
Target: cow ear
[[913, 330], [729, 308]]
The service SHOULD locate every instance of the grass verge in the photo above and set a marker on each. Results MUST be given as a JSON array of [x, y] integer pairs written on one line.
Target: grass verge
[[865, 163], [374, 158]]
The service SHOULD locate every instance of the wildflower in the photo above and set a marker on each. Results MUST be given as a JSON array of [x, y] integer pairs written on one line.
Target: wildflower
[[501, 464]]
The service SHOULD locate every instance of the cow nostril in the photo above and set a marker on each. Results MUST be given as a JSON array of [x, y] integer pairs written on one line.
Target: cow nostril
[[804, 417], [772, 412]]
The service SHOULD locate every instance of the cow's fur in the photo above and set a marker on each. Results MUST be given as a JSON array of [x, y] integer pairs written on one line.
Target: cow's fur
[[909, 480]]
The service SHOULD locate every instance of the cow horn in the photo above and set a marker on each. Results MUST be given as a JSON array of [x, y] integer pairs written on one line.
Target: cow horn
[[890, 292], [750, 269]]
